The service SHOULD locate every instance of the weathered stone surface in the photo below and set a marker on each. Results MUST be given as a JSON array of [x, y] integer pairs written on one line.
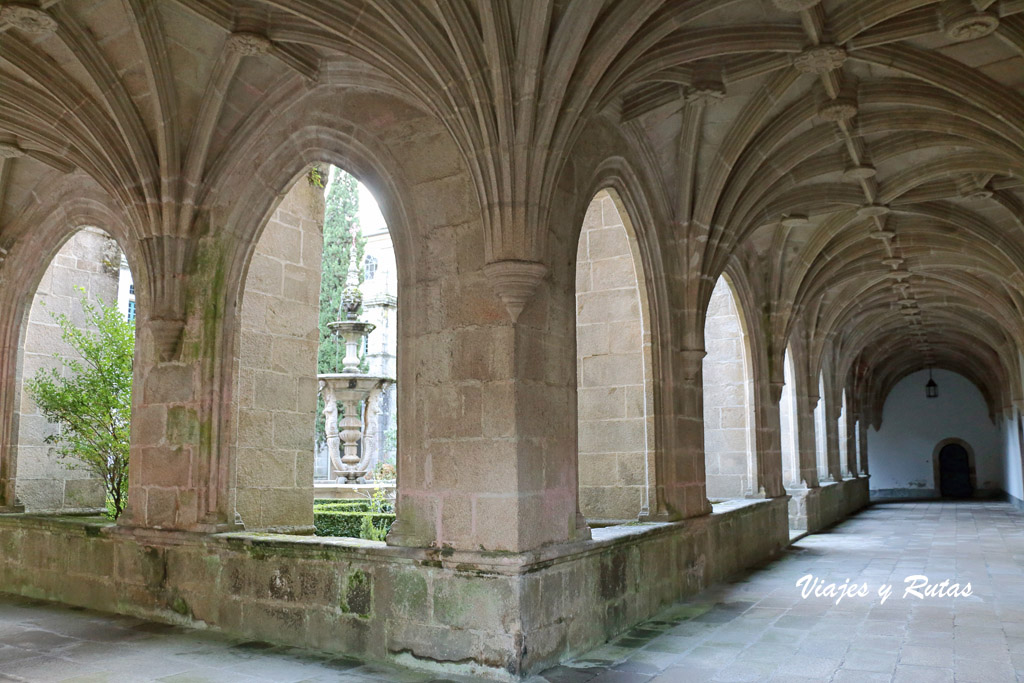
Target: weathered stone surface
[[274, 420], [473, 611]]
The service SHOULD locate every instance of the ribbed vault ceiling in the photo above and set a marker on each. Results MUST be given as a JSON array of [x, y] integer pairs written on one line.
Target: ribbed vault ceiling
[[863, 160]]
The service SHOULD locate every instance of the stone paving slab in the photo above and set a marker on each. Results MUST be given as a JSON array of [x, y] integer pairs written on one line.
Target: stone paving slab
[[759, 628], [756, 628], [43, 642]]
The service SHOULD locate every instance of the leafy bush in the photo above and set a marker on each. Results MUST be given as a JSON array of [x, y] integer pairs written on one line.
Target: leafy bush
[[368, 518], [93, 404], [352, 523]]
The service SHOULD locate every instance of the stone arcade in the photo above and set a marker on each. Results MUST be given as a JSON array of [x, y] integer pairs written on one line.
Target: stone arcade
[[659, 262]]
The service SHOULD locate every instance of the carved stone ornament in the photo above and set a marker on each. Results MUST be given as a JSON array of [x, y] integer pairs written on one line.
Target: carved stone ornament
[[961, 22], [840, 109], [708, 86], [794, 5], [692, 362], [820, 59], [27, 18], [795, 220], [861, 172], [515, 282], [9, 150], [872, 210], [248, 44], [166, 337]]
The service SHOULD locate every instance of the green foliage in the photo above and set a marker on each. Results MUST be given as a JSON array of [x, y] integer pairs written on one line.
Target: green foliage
[[370, 531], [316, 178], [92, 400], [341, 221], [368, 518]]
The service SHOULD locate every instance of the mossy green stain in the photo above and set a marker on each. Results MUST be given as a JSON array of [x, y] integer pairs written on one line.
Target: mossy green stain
[[180, 606], [410, 593], [358, 596], [182, 425]]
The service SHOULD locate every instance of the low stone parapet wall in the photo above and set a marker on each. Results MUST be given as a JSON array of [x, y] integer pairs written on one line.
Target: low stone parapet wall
[[494, 614], [819, 508]]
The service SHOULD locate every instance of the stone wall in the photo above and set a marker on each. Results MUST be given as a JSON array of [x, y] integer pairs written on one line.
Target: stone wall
[[613, 358], [44, 482], [814, 509], [501, 616], [728, 451], [275, 371]]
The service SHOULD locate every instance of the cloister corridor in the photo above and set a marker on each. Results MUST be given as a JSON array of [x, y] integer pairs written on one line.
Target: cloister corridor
[[756, 627]]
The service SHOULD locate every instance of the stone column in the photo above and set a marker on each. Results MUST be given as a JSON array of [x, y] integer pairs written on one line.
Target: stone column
[[863, 436], [681, 489], [179, 475], [832, 440], [12, 312], [487, 404], [769, 457], [806, 441], [851, 442]]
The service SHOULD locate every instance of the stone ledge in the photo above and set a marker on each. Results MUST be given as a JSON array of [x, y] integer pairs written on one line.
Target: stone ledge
[[294, 545], [498, 615]]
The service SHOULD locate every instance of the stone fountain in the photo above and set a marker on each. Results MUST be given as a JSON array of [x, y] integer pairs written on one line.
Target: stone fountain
[[350, 388]]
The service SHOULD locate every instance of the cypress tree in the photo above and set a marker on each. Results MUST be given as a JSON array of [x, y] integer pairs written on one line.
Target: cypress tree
[[341, 222]]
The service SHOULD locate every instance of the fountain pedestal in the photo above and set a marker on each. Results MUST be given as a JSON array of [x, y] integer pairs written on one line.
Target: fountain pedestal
[[352, 392]]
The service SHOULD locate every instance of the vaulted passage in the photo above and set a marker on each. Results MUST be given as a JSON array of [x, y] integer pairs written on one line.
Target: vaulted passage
[[655, 287]]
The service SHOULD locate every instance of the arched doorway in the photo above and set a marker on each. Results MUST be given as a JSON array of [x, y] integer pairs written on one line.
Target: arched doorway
[[955, 470]]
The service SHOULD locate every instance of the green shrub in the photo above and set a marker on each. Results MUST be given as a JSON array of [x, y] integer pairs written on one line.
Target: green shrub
[[321, 502], [351, 505], [92, 403], [352, 523]]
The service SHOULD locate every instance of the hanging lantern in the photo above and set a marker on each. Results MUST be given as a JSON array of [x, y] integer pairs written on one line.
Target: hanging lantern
[[931, 390]]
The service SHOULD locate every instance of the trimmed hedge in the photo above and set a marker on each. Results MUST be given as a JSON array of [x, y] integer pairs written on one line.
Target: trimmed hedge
[[351, 505], [344, 517], [349, 523], [332, 502]]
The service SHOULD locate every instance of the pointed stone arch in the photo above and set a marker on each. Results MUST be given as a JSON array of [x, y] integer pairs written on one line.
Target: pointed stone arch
[[729, 398], [82, 256], [614, 367]]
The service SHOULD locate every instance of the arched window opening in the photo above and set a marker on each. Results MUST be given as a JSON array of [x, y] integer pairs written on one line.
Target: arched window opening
[[728, 421], [787, 419], [820, 438], [317, 361], [613, 347], [60, 464]]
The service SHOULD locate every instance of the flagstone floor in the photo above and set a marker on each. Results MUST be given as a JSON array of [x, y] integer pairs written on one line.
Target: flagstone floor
[[758, 628]]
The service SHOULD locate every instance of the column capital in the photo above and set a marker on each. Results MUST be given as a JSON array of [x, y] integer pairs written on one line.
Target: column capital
[[691, 361], [515, 282], [775, 388]]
